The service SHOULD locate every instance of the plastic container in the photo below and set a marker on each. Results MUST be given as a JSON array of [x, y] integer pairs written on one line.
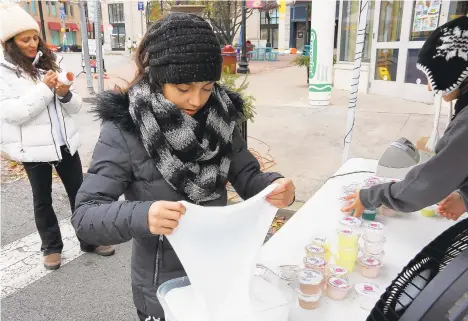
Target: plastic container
[[322, 242], [385, 211], [369, 267], [277, 313], [315, 263], [288, 272], [347, 238], [351, 222], [429, 211], [379, 256], [347, 263], [315, 250], [374, 231], [310, 281], [369, 214], [66, 78], [337, 271], [374, 247], [309, 302], [337, 288]]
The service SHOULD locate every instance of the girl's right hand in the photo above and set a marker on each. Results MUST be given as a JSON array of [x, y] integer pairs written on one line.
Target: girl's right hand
[[163, 217], [50, 79]]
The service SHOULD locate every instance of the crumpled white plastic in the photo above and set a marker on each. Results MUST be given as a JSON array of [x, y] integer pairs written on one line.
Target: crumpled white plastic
[[219, 248]]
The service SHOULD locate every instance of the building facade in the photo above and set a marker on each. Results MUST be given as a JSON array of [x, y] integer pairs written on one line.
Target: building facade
[[395, 33], [51, 11], [124, 23]]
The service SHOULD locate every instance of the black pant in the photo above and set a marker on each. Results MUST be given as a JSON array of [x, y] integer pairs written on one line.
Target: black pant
[[144, 317], [40, 176]]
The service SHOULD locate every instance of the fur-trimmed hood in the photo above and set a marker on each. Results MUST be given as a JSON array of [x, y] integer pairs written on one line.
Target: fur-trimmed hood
[[113, 106]]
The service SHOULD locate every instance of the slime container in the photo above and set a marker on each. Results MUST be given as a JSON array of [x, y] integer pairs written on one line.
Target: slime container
[[378, 256], [374, 231], [309, 302], [337, 271], [315, 263], [347, 238], [321, 241], [429, 211], [310, 281], [337, 288], [374, 247], [315, 250], [369, 214], [351, 222], [370, 267]]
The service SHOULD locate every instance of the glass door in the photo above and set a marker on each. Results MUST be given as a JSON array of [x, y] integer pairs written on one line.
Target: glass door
[[400, 29]]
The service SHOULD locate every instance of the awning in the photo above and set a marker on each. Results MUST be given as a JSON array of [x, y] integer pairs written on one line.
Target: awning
[[90, 27], [56, 26], [72, 26]]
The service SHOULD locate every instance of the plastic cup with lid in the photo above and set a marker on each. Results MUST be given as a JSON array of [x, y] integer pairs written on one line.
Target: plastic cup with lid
[[374, 231], [369, 267], [374, 247], [337, 288]]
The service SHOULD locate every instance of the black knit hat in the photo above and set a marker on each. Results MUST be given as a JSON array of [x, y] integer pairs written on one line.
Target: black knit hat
[[182, 48], [444, 56]]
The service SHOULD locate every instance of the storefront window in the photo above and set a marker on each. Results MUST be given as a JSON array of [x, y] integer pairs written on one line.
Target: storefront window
[[457, 9], [426, 16], [386, 64], [349, 26], [390, 20], [414, 75]]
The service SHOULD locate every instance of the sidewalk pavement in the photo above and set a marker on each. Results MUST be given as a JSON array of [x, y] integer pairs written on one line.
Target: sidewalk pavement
[[305, 143]]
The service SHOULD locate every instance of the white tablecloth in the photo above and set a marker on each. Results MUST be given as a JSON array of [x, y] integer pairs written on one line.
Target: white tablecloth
[[406, 235]]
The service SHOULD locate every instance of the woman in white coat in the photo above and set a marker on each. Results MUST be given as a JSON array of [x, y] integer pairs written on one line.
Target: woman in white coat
[[37, 129]]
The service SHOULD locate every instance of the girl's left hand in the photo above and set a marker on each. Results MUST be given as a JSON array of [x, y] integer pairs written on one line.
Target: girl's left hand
[[62, 90], [283, 195], [357, 205]]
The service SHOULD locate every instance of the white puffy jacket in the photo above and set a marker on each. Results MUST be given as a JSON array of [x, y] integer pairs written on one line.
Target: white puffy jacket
[[25, 105]]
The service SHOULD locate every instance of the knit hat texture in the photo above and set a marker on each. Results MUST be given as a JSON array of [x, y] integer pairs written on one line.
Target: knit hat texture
[[14, 20], [182, 48], [444, 56]]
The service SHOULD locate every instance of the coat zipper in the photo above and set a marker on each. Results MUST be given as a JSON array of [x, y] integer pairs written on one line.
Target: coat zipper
[[64, 125], [157, 261], [52, 132], [21, 138]]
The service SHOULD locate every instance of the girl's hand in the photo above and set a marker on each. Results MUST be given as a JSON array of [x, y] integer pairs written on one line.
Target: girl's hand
[[62, 90], [163, 217], [283, 195], [357, 205], [452, 207]]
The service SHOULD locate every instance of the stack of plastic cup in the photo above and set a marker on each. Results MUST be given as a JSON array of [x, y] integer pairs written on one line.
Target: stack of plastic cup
[[348, 248], [374, 240]]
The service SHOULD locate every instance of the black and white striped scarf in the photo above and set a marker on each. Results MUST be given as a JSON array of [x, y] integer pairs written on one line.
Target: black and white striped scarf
[[192, 153]]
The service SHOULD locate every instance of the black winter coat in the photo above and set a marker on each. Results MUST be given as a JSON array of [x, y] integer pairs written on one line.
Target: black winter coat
[[121, 166]]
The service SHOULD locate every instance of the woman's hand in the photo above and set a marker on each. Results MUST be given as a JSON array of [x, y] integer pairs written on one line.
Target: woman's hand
[[50, 79], [283, 195], [62, 90], [452, 207], [357, 205], [163, 217]]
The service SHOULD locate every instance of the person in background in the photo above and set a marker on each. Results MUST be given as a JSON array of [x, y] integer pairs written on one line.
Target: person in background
[[37, 129], [171, 136], [444, 60]]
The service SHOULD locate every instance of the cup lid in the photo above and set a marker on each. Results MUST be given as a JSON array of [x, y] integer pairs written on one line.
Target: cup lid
[[347, 232], [374, 225], [382, 240], [367, 288], [351, 221], [309, 276], [309, 298], [319, 240], [338, 270], [313, 248], [315, 261], [370, 261], [338, 282]]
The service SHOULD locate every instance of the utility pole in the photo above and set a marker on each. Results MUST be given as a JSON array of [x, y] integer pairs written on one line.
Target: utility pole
[[99, 58], [243, 64], [84, 37], [41, 15]]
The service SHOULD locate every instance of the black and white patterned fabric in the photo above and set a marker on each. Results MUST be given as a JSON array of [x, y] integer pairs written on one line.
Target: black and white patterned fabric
[[444, 56], [192, 153]]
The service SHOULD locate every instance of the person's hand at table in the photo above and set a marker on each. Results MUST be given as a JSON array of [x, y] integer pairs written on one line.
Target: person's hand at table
[[357, 205], [452, 207], [283, 195], [163, 217]]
